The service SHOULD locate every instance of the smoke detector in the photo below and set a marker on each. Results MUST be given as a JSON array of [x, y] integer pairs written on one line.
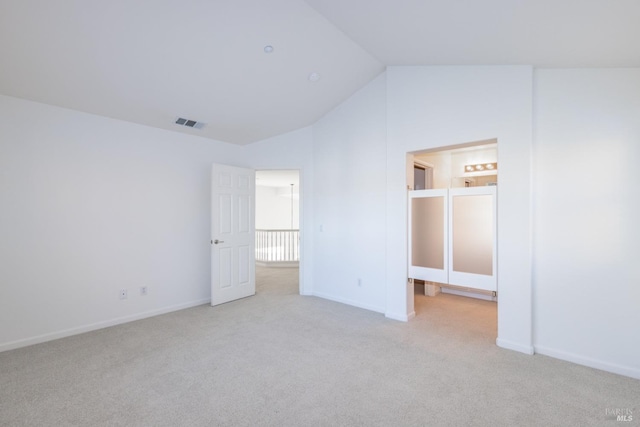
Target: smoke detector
[[189, 123]]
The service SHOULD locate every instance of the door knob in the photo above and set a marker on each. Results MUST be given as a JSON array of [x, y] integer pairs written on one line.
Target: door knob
[[218, 241]]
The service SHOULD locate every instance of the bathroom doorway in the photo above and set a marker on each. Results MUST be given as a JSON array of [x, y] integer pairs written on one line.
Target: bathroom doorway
[[452, 224]]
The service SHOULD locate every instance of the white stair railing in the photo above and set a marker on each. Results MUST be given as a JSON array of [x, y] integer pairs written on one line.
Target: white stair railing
[[276, 246]]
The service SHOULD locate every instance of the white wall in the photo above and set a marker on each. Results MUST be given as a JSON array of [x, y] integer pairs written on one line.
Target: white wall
[[293, 150], [349, 149], [587, 205], [429, 107], [273, 208], [91, 205]]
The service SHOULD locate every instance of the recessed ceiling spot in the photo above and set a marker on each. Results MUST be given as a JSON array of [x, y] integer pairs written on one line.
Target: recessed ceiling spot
[[268, 49], [314, 77]]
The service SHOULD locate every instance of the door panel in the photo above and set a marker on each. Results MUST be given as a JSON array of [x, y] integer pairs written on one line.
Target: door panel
[[472, 242], [224, 267], [244, 214], [225, 207], [232, 233], [472, 236], [244, 259], [452, 236], [428, 248], [428, 236]]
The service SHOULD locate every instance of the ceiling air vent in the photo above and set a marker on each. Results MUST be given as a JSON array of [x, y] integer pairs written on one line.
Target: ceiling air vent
[[189, 123]]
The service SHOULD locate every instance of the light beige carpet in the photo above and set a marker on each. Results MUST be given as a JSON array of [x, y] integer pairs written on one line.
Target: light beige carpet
[[280, 359]]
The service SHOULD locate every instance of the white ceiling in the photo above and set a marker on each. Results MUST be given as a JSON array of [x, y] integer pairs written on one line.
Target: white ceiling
[[150, 61], [543, 33]]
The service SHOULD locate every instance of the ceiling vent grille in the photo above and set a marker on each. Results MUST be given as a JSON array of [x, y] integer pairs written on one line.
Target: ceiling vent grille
[[189, 123]]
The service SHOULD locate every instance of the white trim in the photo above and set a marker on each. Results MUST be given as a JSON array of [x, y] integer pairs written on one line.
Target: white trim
[[400, 317], [510, 345], [587, 361], [468, 294], [278, 264], [422, 163], [12, 345], [348, 302]]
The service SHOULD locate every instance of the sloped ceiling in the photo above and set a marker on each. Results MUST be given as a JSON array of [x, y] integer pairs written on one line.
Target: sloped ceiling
[[543, 33], [151, 61]]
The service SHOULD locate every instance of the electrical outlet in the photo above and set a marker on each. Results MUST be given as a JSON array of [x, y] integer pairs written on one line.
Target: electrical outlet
[[123, 294], [359, 282], [144, 290]]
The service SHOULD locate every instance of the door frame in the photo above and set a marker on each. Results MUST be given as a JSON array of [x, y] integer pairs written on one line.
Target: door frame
[[301, 261], [410, 160]]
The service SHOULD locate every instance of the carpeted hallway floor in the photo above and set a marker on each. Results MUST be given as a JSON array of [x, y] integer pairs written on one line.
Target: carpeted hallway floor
[[281, 359]]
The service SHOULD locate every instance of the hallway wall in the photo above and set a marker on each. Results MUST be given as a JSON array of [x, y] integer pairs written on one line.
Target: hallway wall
[[273, 208]]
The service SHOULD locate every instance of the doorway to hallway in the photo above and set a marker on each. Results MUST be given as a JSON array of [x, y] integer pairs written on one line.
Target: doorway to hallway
[[278, 250]]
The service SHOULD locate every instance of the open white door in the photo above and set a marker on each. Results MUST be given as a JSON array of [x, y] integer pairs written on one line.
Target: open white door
[[232, 233]]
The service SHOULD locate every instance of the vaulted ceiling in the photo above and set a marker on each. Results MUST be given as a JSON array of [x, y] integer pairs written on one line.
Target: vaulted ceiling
[[151, 61]]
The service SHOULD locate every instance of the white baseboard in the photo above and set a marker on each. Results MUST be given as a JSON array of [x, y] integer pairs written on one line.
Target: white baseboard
[[348, 302], [511, 345], [400, 317], [627, 371], [467, 294], [12, 345], [278, 264]]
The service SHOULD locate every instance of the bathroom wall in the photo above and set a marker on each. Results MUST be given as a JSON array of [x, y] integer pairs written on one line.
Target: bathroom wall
[[448, 165]]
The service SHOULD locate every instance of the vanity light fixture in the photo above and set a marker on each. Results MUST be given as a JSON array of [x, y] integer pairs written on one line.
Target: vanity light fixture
[[480, 167]]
